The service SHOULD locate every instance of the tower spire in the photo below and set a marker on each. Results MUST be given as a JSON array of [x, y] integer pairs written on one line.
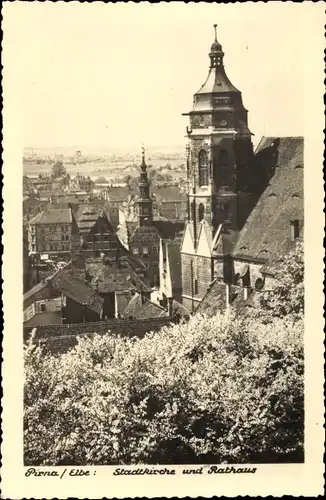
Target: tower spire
[[145, 212], [215, 26], [143, 165]]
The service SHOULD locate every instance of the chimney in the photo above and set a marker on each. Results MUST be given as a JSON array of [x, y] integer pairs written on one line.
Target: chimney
[[227, 294], [170, 309]]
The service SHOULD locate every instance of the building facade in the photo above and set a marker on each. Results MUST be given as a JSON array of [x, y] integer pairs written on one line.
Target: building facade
[[54, 233]]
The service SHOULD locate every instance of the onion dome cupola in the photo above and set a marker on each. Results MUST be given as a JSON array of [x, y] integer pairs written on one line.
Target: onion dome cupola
[[145, 204], [218, 103]]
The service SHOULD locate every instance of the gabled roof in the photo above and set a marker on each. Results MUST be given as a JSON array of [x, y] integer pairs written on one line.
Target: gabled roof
[[141, 308], [53, 216], [77, 290], [179, 309], [267, 230], [112, 277], [214, 300]]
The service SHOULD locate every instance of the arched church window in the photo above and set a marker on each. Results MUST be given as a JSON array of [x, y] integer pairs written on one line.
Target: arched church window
[[201, 210], [193, 210], [203, 165]]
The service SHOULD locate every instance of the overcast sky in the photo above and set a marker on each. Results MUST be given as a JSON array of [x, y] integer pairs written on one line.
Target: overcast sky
[[118, 75]]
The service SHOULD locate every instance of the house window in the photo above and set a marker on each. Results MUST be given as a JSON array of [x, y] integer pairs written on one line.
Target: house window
[[33, 229], [42, 307], [295, 230], [135, 251], [203, 168], [259, 284], [196, 287], [145, 250]]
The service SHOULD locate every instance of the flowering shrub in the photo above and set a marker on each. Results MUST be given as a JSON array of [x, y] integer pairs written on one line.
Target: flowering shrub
[[287, 297], [214, 390]]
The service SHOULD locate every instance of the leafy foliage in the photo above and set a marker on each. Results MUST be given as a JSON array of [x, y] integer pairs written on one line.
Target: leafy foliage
[[286, 298], [214, 390], [226, 389], [58, 170]]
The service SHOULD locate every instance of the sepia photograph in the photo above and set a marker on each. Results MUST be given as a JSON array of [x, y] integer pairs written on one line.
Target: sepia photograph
[[163, 236]]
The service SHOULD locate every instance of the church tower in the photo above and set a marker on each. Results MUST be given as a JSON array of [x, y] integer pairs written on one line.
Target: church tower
[[145, 204], [219, 154]]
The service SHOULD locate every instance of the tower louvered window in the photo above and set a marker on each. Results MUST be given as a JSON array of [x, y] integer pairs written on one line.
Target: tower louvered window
[[203, 165]]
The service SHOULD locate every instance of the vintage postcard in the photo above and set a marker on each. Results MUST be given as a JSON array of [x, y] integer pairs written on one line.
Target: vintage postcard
[[163, 257]]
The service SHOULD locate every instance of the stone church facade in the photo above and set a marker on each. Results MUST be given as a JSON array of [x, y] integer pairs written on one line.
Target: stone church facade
[[226, 181]]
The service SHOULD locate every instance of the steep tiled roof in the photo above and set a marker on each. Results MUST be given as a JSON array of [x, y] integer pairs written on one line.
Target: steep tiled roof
[[77, 290], [139, 308], [178, 309], [267, 230], [53, 216], [214, 300], [111, 277]]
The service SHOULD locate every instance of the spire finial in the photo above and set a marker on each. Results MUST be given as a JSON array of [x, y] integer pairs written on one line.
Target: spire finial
[[143, 163], [215, 26]]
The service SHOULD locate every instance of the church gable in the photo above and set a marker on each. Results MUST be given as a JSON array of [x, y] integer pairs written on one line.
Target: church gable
[[187, 245], [204, 246]]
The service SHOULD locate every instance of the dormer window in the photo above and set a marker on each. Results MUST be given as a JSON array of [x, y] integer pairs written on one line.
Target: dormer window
[[295, 229]]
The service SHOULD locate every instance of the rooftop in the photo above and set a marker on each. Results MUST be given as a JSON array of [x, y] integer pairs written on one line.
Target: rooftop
[[266, 233], [53, 216], [78, 290]]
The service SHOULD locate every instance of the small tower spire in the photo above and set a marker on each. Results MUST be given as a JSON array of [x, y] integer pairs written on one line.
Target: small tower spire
[[145, 212], [215, 26], [143, 165], [216, 54]]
